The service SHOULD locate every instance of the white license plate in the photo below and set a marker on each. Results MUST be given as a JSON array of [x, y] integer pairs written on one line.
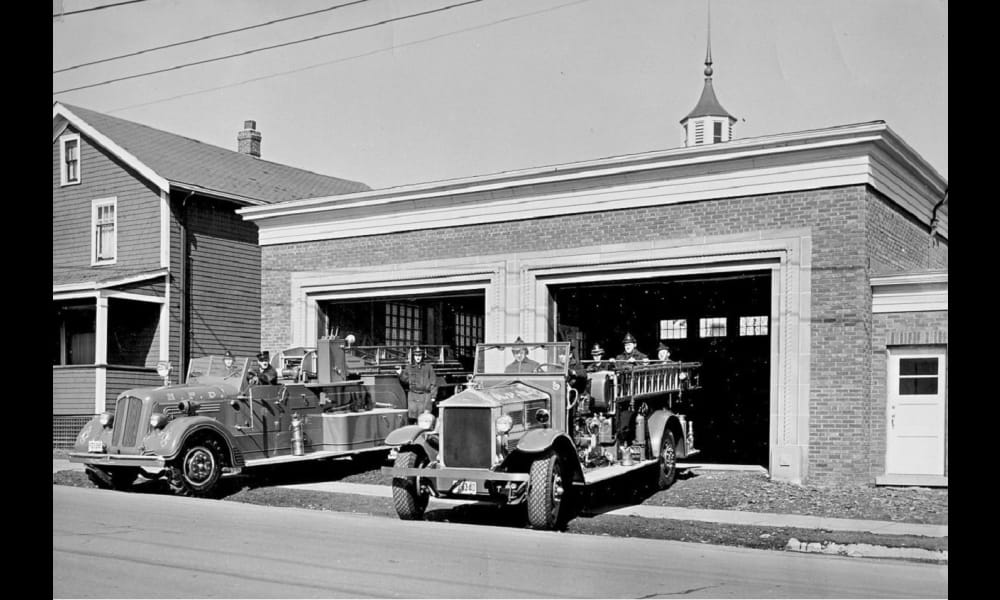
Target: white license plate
[[95, 446], [466, 487]]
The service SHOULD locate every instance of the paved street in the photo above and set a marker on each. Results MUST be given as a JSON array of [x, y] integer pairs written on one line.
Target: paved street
[[182, 547]]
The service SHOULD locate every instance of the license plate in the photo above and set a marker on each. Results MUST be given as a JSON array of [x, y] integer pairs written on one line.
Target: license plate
[[95, 446], [466, 487]]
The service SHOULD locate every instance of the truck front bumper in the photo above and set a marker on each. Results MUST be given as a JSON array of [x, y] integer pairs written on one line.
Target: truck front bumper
[[456, 474], [118, 460]]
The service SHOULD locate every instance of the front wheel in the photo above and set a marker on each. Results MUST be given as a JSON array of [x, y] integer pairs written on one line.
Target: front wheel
[[547, 493], [408, 498], [198, 470], [667, 468], [112, 478]]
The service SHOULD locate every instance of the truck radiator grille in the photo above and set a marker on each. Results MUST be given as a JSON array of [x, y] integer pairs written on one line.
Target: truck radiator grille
[[128, 416], [467, 436]]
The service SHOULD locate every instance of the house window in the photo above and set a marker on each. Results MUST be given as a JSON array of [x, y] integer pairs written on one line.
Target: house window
[[402, 324], [673, 329], [75, 338], [468, 333], [105, 227], [918, 376], [753, 326], [69, 157], [716, 132], [712, 327]]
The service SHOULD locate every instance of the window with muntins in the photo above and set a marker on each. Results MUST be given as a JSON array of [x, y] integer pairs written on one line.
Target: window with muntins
[[105, 221], [716, 132], [673, 329], [69, 152], [753, 326], [468, 333], [712, 327], [403, 324], [918, 376]]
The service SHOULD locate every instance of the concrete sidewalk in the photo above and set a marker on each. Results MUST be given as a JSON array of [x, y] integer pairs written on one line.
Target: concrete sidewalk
[[735, 517]]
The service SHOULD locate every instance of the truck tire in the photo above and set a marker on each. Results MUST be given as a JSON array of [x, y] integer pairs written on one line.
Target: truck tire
[[112, 478], [198, 469], [407, 498], [547, 495], [667, 468]]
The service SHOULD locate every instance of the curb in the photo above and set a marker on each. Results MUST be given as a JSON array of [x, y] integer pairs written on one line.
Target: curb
[[866, 550]]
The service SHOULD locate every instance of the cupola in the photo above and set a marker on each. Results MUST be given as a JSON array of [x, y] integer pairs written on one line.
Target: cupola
[[708, 123]]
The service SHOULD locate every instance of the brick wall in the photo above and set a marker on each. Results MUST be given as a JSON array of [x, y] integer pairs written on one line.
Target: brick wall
[[897, 242], [841, 316]]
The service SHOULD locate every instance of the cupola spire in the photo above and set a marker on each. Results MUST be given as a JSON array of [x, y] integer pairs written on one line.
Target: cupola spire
[[708, 123]]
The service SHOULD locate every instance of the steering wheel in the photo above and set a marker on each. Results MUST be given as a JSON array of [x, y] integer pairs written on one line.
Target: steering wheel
[[545, 367]]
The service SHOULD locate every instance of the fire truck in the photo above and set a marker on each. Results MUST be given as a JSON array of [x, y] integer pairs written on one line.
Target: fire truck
[[219, 422], [536, 437]]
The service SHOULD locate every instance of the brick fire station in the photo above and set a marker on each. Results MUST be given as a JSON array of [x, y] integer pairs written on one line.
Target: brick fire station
[[807, 271]]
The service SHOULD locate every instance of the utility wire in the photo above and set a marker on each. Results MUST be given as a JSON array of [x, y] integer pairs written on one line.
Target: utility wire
[[283, 44], [207, 37], [83, 10], [344, 59]]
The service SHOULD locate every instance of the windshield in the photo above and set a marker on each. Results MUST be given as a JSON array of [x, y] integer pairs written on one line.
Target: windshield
[[212, 370], [527, 357]]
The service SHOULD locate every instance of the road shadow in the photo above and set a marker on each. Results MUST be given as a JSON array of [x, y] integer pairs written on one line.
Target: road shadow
[[626, 490]]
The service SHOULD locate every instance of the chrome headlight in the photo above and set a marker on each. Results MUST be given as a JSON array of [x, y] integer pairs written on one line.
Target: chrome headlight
[[504, 423], [683, 376], [106, 419], [542, 416], [163, 368], [157, 420], [426, 421]]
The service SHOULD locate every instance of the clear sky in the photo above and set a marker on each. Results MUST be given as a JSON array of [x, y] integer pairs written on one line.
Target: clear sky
[[499, 85]]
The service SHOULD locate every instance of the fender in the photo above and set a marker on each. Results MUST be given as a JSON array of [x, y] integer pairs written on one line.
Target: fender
[[169, 441], [93, 430], [659, 422], [540, 440], [413, 435]]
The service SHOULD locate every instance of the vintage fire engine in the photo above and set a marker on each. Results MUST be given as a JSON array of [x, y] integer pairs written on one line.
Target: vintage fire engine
[[219, 423], [537, 437]]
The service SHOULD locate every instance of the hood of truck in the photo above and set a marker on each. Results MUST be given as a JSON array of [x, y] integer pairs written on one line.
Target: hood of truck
[[498, 395]]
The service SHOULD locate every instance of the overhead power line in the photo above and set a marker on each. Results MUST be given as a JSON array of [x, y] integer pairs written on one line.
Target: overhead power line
[[207, 37], [343, 59], [93, 8], [283, 44]]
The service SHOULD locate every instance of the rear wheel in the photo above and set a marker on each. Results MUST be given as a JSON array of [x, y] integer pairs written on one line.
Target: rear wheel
[[408, 499], [547, 493], [198, 469], [667, 469], [112, 478]]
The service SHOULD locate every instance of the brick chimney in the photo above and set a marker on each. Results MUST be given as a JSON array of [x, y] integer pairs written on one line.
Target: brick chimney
[[248, 140]]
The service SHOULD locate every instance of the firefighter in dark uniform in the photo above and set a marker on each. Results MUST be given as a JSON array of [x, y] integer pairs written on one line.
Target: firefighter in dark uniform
[[263, 373], [521, 363], [631, 357], [421, 382], [599, 364]]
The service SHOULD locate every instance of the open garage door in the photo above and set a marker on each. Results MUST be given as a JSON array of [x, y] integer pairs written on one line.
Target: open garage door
[[453, 321], [722, 321]]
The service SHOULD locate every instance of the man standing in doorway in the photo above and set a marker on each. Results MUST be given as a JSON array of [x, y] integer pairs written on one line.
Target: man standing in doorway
[[421, 382]]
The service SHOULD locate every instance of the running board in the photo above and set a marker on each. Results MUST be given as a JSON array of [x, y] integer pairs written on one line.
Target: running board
[[603, 473], [291, 458]]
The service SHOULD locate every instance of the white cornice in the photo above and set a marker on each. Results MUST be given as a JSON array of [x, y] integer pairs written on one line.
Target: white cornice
[[910, 292], [61, 112], [868, 153]]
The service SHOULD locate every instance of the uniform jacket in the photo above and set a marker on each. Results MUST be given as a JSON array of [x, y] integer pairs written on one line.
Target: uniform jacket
[[420, 378]]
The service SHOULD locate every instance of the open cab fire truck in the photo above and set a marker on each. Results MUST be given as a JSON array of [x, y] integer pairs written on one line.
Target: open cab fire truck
[[219, 423], [535, 438]]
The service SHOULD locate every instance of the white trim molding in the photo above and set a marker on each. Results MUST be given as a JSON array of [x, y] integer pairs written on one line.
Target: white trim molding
[[865, 154], [63, 175], [910, 292], [62, 290]]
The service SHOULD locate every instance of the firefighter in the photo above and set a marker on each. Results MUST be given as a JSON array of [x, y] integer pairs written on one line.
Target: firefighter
[[663, 352], [263, 373], [631, 357], [421, 382], [598, 364], [521, 364]]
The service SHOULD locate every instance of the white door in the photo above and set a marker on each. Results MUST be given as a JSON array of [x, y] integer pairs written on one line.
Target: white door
[[916, 417]]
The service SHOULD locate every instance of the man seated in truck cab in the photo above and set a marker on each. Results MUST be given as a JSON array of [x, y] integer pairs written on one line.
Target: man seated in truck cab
[[263, 373], [521, 363]]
